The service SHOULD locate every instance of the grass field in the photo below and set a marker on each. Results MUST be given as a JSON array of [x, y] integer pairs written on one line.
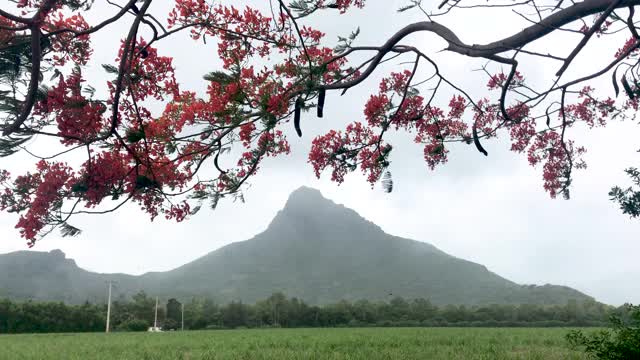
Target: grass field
[[379, 343]]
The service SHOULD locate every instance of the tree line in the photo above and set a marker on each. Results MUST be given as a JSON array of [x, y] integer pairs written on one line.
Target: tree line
[[137, 314]]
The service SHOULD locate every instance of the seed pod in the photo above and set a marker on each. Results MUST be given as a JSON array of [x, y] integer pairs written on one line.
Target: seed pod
[[548, 118], [387, 182], [321, 97], [627, 88], [296, 116], [476, 141], [616, 88]]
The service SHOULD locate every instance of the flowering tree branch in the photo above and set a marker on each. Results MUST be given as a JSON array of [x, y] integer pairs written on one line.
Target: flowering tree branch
[[160, 161]]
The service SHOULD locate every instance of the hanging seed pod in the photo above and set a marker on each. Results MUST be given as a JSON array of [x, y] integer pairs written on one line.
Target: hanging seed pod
[[387, 182], [321, 97], [548, 118], [627, 88], [616, 88], [296, 116], [476, 141]]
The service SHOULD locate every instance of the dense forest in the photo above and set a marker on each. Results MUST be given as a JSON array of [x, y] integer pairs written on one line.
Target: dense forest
[[137, 314]]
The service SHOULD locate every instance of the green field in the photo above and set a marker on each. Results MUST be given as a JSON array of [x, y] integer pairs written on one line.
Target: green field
[[371, 343]]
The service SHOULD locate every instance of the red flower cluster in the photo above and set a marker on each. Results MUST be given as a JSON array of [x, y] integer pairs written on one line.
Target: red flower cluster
[[521, 134], [30, 6], [343, 5], [345, 152], [359, 145], [559, 159], [66, 45], [178, 212], [6, 36], [42, 194], [258, 34], [497, 81], [631, 42], [268, 144], [79, 119], [585, 29], [590, 110], [486, 117], [148, 75]]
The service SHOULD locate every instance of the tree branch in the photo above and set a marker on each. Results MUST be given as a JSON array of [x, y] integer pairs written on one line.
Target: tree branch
[[30, 99], [588, 36], [489, 51]]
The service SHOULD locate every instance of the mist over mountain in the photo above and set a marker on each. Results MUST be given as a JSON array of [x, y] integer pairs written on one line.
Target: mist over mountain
[[313, 249]]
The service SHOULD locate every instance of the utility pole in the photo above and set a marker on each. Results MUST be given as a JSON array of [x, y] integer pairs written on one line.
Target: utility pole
[[109, 306], [182, 317], [155, 320]]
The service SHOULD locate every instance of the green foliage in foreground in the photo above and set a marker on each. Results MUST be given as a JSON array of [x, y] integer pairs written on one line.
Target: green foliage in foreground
[[629, 198], [623, 343], [353, 344]]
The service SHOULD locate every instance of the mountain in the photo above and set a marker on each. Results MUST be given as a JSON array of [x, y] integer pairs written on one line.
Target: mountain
[[313, 249]]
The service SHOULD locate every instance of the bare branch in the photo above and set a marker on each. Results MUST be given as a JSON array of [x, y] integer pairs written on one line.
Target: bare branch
[[596, 26]]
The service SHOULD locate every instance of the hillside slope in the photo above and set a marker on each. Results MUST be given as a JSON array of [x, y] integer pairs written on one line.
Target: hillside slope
[[313, 249]]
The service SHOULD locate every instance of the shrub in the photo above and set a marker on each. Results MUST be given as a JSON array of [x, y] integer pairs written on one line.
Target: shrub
[[170, 324], [623, 342], [134, 325]]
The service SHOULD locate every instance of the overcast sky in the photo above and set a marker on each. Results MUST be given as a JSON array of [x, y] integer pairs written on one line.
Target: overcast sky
[[489, 210]]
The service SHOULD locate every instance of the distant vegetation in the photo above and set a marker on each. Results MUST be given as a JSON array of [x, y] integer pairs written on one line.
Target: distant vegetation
[[279, 311]]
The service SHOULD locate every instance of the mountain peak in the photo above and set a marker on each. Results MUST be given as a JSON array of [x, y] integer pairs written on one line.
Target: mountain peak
[[305, 191], [307, 211], [305, 197], [57, 253]]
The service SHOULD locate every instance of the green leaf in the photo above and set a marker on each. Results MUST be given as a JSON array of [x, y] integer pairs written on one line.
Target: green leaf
[[215, 198], [407, 7], [438, 150], [89, 90], [68, 230], [219, 77], [143, 182], [76, 104], [80, 187], [135, 135], [354, 34], [11, 145], [110, 69]]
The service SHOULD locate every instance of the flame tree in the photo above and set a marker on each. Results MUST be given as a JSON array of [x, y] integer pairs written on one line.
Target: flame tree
[[274, 67]]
